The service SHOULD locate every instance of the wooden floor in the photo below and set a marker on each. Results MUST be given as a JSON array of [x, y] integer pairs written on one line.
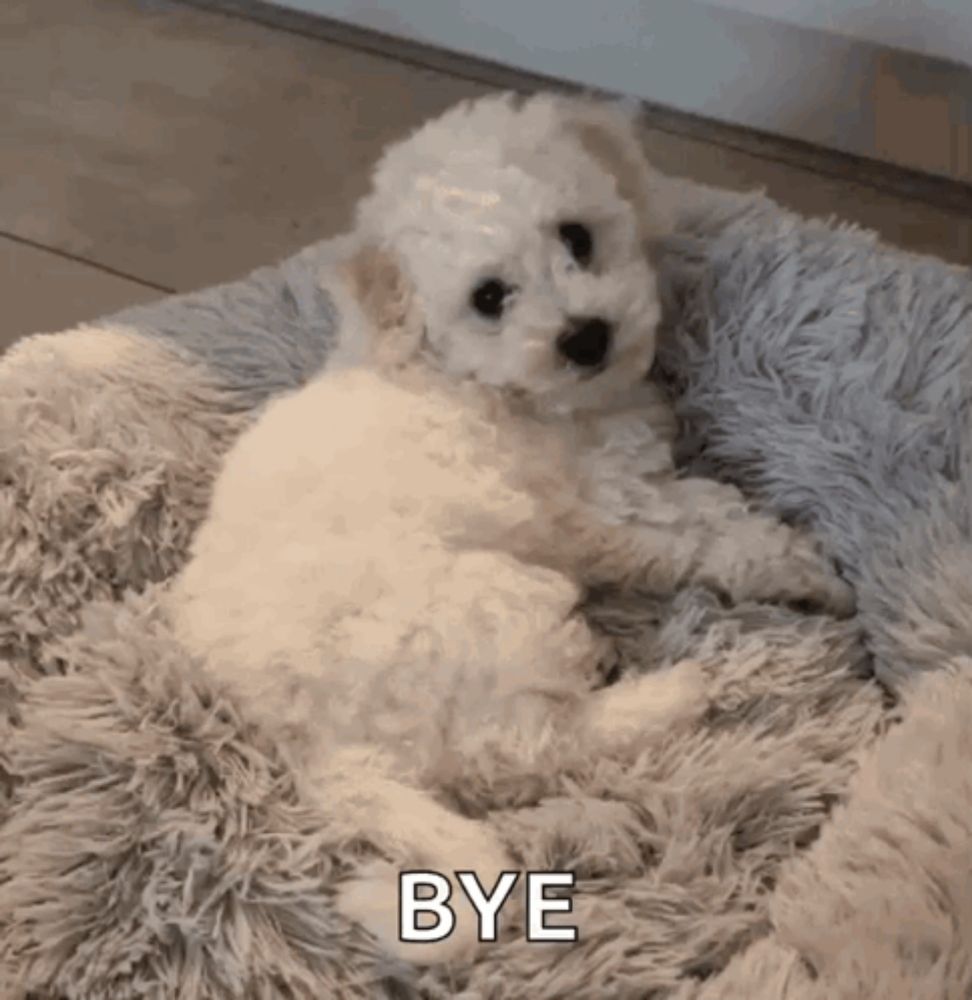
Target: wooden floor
[[152, 146]]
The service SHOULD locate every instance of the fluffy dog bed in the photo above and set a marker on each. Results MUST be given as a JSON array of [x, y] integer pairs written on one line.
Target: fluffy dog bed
[[812, 839]]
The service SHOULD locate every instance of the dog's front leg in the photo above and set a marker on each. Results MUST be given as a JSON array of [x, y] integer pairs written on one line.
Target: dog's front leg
[[701, 531], [752, 556], [366, 800]]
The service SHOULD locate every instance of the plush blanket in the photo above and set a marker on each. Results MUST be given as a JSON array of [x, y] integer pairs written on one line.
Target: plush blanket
[[812, 838]]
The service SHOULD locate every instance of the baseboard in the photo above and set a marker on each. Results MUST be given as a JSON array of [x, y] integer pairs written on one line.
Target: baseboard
[[820, 90], [830, 90]]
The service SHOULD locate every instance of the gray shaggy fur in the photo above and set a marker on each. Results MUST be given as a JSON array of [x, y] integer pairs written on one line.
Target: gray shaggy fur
[[257, 337], [153, 846], [831, 377]]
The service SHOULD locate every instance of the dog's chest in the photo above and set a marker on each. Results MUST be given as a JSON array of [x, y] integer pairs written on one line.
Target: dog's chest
[[624, 466]]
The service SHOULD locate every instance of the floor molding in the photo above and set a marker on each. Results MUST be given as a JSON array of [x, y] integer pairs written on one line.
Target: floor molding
[[909, 182]]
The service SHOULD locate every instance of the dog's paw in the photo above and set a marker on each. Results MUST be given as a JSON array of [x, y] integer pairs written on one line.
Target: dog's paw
[[813, 584], [371, 900], [609, 667], [650, 705], [797, 574]]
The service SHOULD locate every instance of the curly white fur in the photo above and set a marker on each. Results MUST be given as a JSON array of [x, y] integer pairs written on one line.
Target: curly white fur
[[395, 554]]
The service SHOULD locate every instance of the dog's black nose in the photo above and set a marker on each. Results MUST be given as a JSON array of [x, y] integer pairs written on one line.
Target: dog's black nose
[[586, 341]]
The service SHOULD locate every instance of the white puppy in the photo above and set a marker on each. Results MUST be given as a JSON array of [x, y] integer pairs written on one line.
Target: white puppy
[[395, 555]]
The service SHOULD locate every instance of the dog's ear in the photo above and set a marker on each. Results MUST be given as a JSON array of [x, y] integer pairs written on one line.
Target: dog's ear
[[381, 323], [608, 133]]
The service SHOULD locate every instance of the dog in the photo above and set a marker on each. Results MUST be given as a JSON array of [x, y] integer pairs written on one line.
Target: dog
[[395, 554]]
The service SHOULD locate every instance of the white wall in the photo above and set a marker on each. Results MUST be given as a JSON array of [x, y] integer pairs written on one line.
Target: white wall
[[940, 28], [679, 53]]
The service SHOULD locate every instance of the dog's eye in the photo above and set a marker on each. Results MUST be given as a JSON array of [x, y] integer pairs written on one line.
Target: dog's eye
[[578, 240], [489, 298]]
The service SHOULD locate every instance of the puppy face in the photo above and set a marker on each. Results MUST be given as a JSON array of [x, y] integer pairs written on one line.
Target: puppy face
[[522, 233]]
